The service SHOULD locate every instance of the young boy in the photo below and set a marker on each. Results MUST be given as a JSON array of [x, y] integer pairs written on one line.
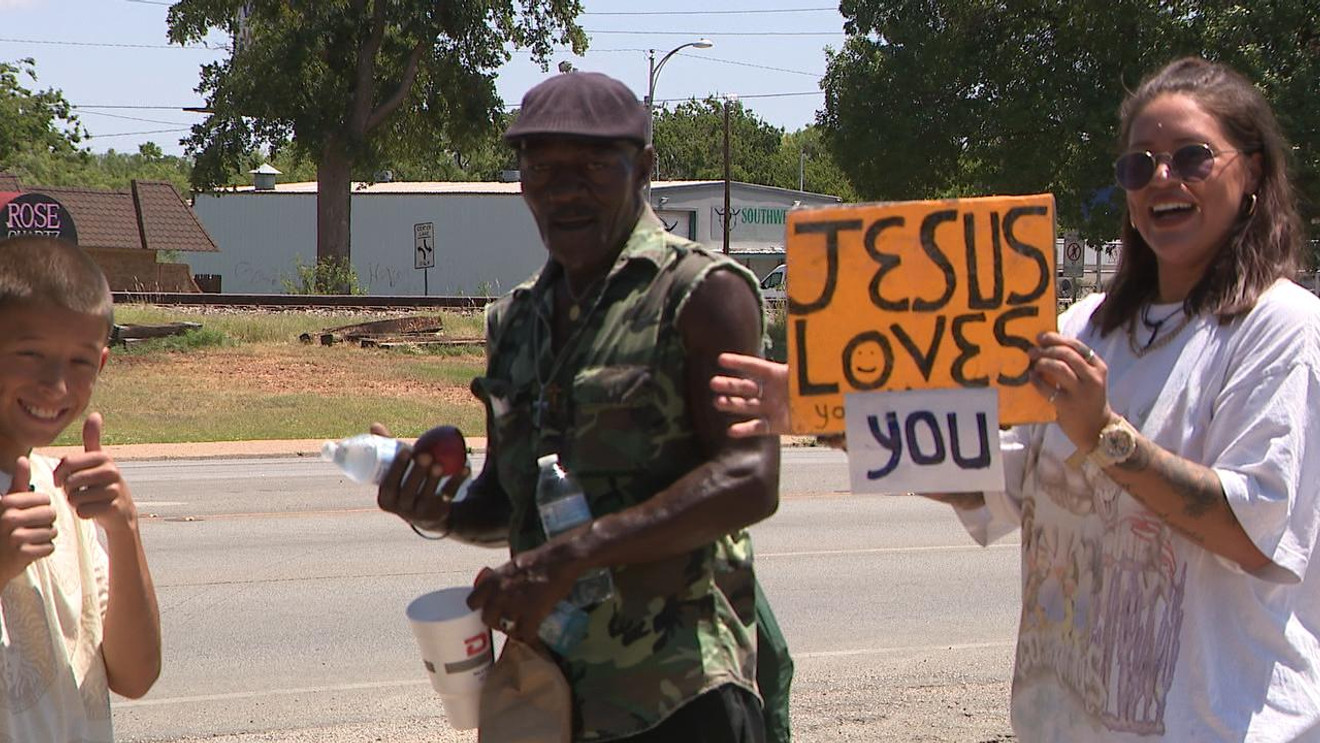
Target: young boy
[[77, 620]]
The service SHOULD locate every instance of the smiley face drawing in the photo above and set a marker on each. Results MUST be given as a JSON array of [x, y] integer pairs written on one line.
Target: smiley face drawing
[[868, 360]]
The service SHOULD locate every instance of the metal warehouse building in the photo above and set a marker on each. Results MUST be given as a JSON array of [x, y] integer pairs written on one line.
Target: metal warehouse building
[[483, 237]]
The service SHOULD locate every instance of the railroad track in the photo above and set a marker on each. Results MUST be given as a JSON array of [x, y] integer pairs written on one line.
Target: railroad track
[[300, 301]]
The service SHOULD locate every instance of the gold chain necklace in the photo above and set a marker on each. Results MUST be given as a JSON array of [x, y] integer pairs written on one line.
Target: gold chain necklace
[[575, 308], [1155, 344]]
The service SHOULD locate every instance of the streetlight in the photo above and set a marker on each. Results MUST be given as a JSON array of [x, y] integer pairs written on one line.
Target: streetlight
[[652, 73], [702, 43]]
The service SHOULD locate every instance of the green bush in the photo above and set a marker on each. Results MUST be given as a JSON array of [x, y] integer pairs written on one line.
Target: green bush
[[326, 276]]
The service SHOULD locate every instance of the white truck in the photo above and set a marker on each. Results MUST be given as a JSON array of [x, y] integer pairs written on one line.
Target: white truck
[[775, 284]]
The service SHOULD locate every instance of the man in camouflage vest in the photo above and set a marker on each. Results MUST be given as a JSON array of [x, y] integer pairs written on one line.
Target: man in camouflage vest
[[604, 358]]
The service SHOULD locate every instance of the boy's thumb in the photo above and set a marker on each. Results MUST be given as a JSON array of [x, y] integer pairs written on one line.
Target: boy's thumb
[[22, 476], [92, 433]]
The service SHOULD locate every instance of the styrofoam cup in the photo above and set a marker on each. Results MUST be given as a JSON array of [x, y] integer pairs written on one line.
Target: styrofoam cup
[[456, 651]]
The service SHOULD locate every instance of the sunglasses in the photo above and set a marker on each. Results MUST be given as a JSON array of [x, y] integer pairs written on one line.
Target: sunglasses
[[1191, 163]]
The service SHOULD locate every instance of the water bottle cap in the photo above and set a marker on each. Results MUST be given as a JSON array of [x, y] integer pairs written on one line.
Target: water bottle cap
[[328, 449], [547, 460]]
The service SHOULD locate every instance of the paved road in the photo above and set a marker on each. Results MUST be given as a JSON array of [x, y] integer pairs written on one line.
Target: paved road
[[282, 591]]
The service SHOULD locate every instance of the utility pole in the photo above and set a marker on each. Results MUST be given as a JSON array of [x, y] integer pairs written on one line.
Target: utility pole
[[727, 215]]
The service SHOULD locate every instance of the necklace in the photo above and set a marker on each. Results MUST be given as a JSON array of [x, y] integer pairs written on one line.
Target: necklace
[[576, 300], [1156, 340]]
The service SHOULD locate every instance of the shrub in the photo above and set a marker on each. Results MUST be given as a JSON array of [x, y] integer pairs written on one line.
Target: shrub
[[326, 276]]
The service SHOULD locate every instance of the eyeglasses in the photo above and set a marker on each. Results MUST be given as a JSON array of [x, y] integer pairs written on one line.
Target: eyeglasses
[[1191, 163]]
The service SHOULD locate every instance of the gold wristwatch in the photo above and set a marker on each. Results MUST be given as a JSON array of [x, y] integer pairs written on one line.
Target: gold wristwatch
[[1116, 444]]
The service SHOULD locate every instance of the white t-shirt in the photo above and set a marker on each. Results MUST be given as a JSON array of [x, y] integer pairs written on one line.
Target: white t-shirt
[[53, 685], [1129, 631]]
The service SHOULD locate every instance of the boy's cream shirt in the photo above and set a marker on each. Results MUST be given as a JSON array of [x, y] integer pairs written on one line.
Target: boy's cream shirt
[[53, 683]]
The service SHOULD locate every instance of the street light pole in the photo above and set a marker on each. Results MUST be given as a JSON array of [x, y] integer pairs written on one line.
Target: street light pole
[[653, 72]]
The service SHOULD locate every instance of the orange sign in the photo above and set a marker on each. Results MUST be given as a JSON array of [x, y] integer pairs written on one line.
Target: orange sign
[[918, 295]]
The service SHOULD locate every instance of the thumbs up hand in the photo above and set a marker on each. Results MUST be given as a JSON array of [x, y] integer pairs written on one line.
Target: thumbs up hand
[[27, 524], [94, 485]]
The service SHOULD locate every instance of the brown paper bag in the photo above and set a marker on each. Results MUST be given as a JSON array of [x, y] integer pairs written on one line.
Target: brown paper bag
[[525, 699]]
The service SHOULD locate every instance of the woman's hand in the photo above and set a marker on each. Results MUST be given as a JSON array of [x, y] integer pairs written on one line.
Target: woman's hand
[[1073, 379], [761, 394]]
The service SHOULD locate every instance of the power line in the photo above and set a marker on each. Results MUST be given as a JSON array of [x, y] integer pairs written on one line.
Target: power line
[[693, 12], [135, 134], [152, 108], [708, 58], [714, 34], [128, 118], [204, 46], [742, 97]]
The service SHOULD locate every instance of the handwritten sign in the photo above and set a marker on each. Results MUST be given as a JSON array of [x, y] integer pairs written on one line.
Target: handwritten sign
[[918, 295], [924, 441]]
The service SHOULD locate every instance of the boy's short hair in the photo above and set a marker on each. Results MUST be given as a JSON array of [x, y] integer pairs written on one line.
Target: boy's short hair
[[47, 269]]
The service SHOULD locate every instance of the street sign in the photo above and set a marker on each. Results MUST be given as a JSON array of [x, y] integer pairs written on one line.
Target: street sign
[[424, 245], [1074, 256]]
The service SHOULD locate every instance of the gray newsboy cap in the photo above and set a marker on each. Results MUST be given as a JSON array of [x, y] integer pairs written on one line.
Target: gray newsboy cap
[[580, 104]]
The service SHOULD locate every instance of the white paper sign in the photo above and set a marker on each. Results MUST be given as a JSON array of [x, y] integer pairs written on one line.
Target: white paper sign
[[924, 441]]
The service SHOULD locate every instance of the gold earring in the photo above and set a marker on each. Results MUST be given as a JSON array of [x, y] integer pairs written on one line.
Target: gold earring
[[1251, 208]]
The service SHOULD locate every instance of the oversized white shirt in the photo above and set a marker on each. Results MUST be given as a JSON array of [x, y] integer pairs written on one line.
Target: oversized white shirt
[[53, 686], [1129, 631]]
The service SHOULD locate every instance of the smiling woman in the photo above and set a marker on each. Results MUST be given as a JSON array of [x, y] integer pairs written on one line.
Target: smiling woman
[[1169, 514]]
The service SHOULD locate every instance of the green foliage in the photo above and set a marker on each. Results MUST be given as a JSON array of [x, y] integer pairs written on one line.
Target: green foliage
[[804, 156], [192, 340], [360, 86], [33, 121], [689, 142], [108, 170], [689, 145], [325, 276], [934, 98]]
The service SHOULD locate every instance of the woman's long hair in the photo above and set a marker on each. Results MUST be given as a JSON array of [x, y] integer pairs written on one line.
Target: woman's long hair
[[1266, 242]]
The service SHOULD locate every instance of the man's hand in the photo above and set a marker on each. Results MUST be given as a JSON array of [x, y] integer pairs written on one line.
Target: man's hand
[[517, 596], [27, 524], [420, 495], [94, 485], [760, 393]]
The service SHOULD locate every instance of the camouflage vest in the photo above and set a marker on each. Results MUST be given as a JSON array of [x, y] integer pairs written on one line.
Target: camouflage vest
[[613, 405]]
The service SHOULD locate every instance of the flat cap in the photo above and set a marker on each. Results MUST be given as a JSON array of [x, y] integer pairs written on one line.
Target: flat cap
[[580, 104]]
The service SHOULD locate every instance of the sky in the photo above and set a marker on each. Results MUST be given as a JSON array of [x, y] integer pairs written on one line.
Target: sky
[[113, 62]]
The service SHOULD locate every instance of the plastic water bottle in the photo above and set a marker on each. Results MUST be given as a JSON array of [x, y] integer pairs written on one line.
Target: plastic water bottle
[[564, 628], [563, 506], [364, 458]]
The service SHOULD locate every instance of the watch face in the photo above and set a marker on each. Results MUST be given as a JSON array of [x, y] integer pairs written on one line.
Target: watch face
[[1118, 444]]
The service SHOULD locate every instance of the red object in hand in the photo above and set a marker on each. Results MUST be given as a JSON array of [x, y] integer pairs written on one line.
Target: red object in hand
[[446, 446]]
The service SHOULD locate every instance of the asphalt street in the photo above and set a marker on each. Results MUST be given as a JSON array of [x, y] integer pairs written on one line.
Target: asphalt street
[[282, 591]]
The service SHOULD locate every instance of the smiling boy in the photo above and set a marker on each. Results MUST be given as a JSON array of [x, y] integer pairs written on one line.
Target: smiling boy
[[78, 615]]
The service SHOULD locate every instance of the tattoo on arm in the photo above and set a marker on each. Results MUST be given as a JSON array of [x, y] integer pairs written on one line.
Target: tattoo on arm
[[1196, 485]]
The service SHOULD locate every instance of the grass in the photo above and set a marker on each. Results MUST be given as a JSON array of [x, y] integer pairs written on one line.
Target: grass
[[245, 375]]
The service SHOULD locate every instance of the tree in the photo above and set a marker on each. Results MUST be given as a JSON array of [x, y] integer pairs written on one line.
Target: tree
[[803, 156], [356, 83], [689, 144], [107, 170], [935, 98], [40, 122]]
